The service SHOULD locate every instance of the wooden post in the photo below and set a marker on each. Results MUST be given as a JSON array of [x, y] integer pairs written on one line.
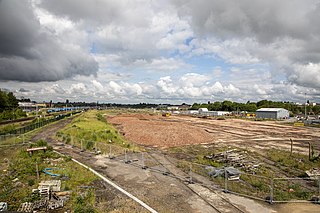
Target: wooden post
[[309, 150], [37, 170], [291, 146], [225, 179], [190, 175]]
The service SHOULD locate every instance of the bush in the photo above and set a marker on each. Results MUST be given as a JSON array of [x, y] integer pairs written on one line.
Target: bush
[[39, 143], [89, 145], [31, 182]]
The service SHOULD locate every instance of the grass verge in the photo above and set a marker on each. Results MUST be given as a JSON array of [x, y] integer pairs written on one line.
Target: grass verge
[[91, 127], [19, 177]]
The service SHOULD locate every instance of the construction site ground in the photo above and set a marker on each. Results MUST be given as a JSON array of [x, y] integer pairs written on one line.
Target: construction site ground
[[164, 132], [167, 193]]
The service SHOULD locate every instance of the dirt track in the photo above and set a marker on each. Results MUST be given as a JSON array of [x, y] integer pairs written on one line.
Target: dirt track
[[157, 131]]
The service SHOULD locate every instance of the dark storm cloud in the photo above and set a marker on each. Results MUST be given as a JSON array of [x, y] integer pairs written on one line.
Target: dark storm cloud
[[30, 53], [104, 10], [264, 20], [101, 12], [18, 27]]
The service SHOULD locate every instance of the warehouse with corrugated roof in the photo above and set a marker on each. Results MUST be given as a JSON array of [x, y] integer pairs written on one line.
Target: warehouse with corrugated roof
[[272, 113]]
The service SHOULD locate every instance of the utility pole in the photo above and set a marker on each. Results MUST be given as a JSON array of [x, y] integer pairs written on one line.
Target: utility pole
[[305, 106], [37, 112]]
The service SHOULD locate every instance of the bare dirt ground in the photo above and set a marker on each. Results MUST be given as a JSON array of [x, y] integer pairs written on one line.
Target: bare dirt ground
[[157, 131], [163, 132], [166, 193]]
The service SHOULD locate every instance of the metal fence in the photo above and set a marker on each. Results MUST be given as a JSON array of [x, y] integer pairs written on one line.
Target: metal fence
[[40, 123], [12, 139], [272, 190]]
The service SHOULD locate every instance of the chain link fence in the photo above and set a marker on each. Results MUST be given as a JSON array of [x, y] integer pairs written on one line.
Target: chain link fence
[[269, 189], [38, 124]]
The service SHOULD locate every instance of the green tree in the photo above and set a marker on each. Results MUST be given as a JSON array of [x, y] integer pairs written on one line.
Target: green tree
[[227, 106], [195, 106], [12, 100], [316, 109], [251, 107], [3, 101], [216, 106]]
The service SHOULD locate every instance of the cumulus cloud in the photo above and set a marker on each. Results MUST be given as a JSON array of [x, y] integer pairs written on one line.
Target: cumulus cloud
[[161, 64], [118, 28], [234, 51], [308, 74], [195, 85], [97, 85], [53, 89], [28, 52], [150, 50]]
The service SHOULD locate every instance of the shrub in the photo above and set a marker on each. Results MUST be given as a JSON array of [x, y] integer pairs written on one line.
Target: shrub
[[31, 182], [89, 145]]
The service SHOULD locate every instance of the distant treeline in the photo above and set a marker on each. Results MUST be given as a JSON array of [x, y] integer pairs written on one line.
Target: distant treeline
[[103, 105], [252, 106], [9, 107]]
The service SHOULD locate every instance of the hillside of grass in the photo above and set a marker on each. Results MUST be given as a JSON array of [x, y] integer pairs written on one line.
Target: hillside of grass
[[91, 127]]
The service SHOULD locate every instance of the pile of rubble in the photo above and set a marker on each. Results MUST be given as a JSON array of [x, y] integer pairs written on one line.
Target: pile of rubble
[[314, 173], [236, 158], [229, 172], [51, 197]]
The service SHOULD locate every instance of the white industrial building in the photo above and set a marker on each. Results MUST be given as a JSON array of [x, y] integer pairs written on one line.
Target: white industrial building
[[206, 112], [272, 113], [203, 110]]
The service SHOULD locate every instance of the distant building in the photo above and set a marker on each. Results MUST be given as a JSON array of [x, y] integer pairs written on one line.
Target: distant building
[[272, 113], [184, 107], [202, 110], [32, 106], [206, 112], [172, 108], [27, 106], [220, 113]]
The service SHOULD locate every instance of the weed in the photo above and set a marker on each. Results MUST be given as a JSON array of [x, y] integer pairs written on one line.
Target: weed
[[31, 182]]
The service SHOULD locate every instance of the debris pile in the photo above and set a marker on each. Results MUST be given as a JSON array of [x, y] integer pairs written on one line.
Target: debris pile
[[51, 197], [54, 185], [25, 207], [236, 158], [231, 172], [314, 173]]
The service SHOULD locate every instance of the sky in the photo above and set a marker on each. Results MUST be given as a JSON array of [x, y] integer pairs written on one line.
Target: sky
[[168, 51]]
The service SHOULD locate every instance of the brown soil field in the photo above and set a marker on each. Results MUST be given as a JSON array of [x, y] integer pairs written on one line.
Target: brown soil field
[[163, 132], [160, 132]]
